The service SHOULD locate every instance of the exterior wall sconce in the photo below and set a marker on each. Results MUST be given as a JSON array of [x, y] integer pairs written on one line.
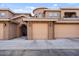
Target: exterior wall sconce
[[4, 24]]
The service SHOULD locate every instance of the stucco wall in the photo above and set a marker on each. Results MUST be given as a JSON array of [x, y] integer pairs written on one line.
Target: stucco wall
[[50, 30], [29, 30], [18, 30]]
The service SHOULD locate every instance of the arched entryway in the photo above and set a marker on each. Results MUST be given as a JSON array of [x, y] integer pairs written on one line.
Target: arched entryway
[[23, 30]]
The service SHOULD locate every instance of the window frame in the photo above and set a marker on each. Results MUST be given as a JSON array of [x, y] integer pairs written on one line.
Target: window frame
[[53, 15], [70, 15]]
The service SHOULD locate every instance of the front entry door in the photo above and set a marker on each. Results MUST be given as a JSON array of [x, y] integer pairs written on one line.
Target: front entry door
[[23, 30]]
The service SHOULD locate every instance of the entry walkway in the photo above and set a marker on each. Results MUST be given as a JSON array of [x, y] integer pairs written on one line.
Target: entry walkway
[[23, 43]]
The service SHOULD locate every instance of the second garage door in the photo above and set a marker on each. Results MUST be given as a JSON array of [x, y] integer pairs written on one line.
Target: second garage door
[[66, 30], [40, 31]]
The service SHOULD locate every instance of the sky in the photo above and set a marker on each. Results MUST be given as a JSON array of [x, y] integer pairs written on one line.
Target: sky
[[29, 7]]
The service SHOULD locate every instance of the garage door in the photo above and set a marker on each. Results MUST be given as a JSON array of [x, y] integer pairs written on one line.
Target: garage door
[[66, 30], [1, 31], [40, 31]]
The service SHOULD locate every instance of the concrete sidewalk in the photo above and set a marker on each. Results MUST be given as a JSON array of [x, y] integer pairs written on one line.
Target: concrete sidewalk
[[21, 43], [42, 52]]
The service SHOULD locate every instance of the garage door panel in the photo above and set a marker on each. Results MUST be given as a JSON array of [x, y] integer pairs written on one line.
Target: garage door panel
[[40, 31], [66, 30], [1, 31]]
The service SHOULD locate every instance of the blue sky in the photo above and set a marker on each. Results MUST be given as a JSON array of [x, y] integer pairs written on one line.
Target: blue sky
[[28, 7]]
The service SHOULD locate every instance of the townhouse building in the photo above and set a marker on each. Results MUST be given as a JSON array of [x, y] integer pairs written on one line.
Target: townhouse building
[[46, 24]]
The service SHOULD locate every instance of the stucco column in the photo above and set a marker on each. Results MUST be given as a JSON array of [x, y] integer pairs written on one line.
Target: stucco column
[[18, 30], [29, 30], [51, 30]]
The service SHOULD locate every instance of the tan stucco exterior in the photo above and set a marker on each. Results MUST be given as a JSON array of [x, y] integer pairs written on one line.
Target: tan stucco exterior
[[39, 28]]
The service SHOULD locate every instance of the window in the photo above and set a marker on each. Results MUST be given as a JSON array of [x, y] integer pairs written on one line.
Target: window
[[52, 15], [2, 14], [70, 15], [39, 15]]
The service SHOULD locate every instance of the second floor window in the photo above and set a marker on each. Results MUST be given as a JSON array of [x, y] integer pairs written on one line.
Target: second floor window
[[2, 14], [52, 15], [70, 15]]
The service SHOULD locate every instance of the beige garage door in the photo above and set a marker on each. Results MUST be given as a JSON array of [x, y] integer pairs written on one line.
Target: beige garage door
[[40, 31], [1, 31], [66, 30]]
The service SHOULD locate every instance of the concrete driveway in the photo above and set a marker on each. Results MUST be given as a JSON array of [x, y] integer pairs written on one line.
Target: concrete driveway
[[22, 43]]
